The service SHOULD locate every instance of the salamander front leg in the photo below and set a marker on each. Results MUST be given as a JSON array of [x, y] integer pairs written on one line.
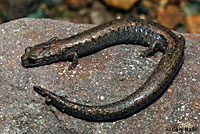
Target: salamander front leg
[[150, 50], [74, 57], [53, 39]]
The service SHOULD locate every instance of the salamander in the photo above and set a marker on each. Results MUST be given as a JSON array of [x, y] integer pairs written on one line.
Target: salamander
[[121, 31]]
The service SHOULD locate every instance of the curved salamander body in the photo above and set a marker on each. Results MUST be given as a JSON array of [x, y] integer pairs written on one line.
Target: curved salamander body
[[127, 31]]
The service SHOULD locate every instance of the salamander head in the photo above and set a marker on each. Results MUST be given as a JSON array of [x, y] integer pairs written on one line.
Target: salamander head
[[39, 55]]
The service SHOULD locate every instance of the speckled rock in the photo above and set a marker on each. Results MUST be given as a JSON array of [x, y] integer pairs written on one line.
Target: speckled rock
[[101, 78]]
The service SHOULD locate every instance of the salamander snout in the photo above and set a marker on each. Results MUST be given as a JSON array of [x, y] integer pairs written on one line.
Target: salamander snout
[[28, 61]]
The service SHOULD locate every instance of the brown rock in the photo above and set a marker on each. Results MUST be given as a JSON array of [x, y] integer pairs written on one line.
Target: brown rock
[[76, 4], [122, 4], [112, 74], [193, 23], [170, 16]]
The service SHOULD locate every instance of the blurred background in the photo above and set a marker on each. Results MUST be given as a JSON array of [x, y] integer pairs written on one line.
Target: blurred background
[[179, 15]]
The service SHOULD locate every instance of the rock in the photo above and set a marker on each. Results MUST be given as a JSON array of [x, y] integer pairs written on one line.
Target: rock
[[12, 9], [191, 7], [1, 21], [170, 16], [77, 4], [193, 23], [98, 14], [111, 74], [144, 6], [100, 17], [122, 4]]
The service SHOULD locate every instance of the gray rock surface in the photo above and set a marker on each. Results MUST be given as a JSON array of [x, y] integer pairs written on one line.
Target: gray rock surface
[[101, 78]]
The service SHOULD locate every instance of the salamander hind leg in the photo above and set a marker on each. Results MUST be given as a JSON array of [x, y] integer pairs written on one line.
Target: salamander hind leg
[[150, 50], [182, 39], [74, 57]]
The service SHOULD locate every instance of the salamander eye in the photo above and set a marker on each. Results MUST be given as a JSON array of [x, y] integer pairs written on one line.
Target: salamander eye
[[28, 49], [182, 39]]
